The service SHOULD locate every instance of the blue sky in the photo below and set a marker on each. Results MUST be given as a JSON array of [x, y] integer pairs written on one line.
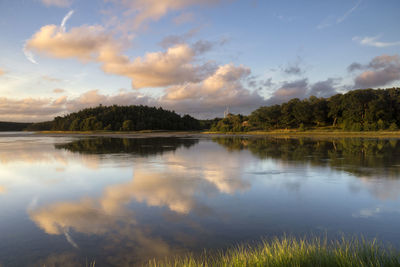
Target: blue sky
[[192, 56]]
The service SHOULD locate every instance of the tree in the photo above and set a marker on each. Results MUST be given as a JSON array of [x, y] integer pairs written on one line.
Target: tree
[[127, 125]]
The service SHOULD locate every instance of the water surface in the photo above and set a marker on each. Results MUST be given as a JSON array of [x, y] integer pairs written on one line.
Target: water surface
[[124, 201]]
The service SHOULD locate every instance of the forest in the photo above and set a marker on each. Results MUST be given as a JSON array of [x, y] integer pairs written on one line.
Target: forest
[[358, 110], [13, 126], [119, 118]]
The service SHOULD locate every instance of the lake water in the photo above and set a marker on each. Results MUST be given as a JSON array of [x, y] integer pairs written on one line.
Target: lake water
[[124, 201]]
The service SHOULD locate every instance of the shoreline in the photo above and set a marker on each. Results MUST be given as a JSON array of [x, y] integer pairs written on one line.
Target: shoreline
[[202, 134], [199, 134]]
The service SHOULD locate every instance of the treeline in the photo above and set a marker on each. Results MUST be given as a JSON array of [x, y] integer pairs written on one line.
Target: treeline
[[13, 126], [119, 118], [358, 110]]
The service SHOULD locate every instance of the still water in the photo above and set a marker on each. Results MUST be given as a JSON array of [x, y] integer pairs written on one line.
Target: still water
[[121, 202]]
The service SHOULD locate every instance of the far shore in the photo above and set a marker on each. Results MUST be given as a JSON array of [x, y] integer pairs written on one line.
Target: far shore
[[202, 134]]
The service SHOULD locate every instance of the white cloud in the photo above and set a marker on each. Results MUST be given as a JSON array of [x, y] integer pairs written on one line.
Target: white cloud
[[374, 41], [29, 55], [65, 19]]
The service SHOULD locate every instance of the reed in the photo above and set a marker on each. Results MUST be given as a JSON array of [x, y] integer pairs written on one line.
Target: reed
[[291, 252]]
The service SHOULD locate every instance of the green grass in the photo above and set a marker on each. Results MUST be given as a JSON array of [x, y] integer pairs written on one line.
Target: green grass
[[314, 133], [292, 252]]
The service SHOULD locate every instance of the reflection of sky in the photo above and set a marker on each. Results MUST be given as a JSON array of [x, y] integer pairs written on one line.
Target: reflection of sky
[[202, 196]]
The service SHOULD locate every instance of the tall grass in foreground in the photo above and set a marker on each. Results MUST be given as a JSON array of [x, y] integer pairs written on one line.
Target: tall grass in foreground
[[290, 252]]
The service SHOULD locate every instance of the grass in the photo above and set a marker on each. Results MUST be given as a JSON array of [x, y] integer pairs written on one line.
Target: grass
[[292, 252], [314, 133]]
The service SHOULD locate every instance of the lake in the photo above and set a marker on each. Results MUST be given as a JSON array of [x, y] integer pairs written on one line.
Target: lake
[[68, 200]]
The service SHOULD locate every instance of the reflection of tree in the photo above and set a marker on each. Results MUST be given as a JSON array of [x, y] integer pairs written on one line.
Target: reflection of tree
[[139, 146], [360, 156]]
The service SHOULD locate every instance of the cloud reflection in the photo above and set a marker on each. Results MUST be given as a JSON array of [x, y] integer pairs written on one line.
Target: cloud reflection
[[175, 184], [2, 189]]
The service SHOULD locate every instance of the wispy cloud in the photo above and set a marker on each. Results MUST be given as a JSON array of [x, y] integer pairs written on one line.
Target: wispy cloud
[[330, 21], [28, 54], [348, 13], [65, 19], [374, 41]]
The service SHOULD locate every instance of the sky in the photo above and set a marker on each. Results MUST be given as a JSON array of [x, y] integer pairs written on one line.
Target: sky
[[195, 57]]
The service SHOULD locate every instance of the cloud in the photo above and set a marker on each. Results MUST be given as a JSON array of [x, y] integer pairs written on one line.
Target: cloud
[[216, 92], [153, 189], [373, 41], [94, 98], [157, 69], [29, 55], [40, 109], [380, 71], [57, 3], [171, 189], [58, 91], [2, 72], [84, 216], [65, 19], [2, 189], [86, 43], [175, 191], [223, 88], [140, 11], [303, 89], [204, 99], [348, 12], [174, 39], [93, 43], [324, 88], [329, 21], [354, 66], [294, 68], [50, 79], [289, 90], [29, 109]]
